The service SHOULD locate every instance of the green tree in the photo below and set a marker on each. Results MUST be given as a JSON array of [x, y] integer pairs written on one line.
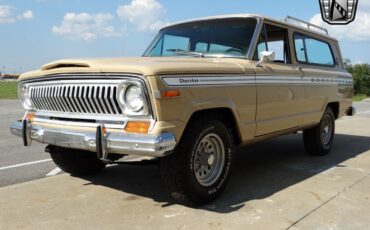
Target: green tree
[[361, 76]]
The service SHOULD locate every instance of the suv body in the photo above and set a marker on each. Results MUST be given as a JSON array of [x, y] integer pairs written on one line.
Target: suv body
[[202, 87]]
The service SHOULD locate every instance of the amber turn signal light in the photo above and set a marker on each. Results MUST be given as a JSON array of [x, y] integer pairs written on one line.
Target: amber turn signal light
[[170, 93], [29, 116], [137, 127]]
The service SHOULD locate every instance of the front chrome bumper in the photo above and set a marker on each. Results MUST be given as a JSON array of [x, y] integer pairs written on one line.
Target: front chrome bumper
[[102, 143]]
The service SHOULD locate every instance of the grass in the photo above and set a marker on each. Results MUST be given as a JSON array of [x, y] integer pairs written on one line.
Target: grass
[[8, 90], [359, 97]]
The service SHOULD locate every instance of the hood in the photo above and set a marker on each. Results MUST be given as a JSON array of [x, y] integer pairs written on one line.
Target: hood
[[142, 65]]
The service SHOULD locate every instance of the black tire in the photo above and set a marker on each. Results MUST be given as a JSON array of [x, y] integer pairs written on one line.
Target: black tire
[[180, 172], [317, 143], [76, 162]]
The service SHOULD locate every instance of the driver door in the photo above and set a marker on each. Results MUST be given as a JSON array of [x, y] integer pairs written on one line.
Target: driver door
[[280, 93]]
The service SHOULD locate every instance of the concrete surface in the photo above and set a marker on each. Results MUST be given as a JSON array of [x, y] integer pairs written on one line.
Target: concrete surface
[[274, 185], [362, 108]]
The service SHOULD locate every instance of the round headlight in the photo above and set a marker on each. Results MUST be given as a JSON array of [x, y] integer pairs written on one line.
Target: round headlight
[[134, 98], [25, 98]]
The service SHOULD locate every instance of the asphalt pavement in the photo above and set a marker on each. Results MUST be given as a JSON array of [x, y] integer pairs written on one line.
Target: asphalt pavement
[[20, 164]]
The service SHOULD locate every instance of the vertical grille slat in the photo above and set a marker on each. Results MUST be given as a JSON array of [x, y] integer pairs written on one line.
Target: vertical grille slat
[[115, 100], [87, 96], [101, 100], [57, 98], [106, 99], [70, 96], [34, 97], [66, 98], [54, 98], [60, 98], [75, 98], [46, 96], [38, 98], [50, 94], [97, 99], [42, 98], [80, 98]]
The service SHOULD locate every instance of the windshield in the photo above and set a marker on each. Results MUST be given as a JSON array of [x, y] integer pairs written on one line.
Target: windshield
[[227, 37]]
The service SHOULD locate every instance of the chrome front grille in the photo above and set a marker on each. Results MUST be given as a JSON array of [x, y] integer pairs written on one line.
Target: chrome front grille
[[89, 97]]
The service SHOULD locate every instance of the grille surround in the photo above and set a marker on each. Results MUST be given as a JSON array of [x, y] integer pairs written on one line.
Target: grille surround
[[85, 98]]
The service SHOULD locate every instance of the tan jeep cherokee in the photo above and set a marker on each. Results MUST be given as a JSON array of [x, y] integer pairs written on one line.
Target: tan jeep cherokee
[[201, 88]]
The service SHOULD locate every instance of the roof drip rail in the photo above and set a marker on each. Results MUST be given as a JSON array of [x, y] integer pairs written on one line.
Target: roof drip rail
[[306, 24]]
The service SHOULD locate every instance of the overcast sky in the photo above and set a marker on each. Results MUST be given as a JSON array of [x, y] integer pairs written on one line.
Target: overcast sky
[[34, 32]]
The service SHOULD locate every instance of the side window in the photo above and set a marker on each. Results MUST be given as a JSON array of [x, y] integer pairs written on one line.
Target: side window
[[318, 52], [201, 47], [171, 42], [275, 39], [312, 51]]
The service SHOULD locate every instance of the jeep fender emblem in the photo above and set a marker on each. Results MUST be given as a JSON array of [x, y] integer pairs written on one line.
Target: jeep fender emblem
[[338, 12]]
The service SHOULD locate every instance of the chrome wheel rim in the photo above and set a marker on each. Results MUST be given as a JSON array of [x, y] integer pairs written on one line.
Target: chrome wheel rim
[[326, 130], [209, 159]]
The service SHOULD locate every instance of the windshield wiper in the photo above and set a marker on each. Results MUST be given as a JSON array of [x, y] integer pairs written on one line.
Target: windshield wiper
[[184, 52]]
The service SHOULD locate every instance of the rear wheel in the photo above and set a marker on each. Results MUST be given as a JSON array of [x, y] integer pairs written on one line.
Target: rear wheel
[[198, 170], [319, 139], [76, 162]]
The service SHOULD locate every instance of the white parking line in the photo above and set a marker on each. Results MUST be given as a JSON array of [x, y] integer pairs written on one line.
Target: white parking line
[[364, 112], [54, 172], [24, 164]]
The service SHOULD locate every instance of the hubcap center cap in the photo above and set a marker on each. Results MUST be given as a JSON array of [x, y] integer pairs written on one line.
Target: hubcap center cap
[[211, 159], [326, 129]]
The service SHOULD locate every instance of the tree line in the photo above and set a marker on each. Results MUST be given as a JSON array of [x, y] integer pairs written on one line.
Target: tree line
[[361, 76]]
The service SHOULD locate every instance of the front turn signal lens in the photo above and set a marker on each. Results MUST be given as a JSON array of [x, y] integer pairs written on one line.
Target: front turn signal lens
[[170, 93], [137, 127], [29, 117]]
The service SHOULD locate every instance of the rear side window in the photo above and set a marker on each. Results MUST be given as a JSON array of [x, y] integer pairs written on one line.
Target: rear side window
[[312, 51]]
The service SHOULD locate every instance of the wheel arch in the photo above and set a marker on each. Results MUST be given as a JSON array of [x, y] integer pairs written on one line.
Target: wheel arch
[[335, 107], [225, 113]]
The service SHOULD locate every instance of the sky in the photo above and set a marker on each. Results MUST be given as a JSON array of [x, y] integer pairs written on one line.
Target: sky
[[35, 32]]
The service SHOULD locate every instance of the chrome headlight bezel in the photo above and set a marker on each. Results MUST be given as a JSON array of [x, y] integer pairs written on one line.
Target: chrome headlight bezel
[[123, 97], [134, 98], [24, 97]]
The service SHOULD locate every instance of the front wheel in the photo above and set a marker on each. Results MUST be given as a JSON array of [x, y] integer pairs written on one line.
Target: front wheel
[[76, 162], [319, 139], [198, 170]]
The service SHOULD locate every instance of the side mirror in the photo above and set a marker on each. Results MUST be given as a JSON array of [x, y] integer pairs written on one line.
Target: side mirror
[[266, 56]]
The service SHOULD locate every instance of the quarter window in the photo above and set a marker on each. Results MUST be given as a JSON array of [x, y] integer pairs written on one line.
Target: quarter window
[[299, 48], [312, 51]]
